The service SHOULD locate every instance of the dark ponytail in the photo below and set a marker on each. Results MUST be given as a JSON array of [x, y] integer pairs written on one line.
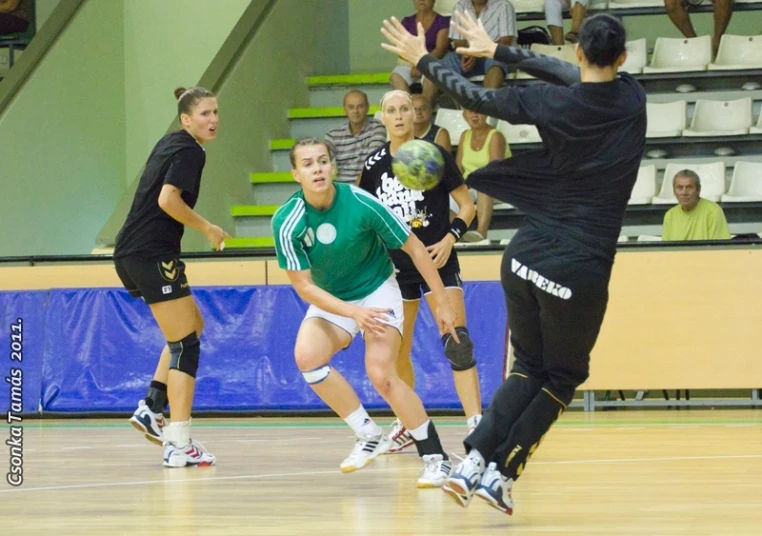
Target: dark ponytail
[[602, 38], [188, 98]]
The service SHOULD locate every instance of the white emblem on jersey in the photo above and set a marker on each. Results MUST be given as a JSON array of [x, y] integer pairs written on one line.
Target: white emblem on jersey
[[402, 201], [372, 159], [326, 233], [309, 238]]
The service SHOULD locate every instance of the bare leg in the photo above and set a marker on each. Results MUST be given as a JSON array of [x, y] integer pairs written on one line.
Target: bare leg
[[466, 381], [577, 15], [399, 83], [484, 206], [679, 17], [431, 92], [316, 343], [494, 78], [556, 34], [404, 362], [177, 319], [723, 10]]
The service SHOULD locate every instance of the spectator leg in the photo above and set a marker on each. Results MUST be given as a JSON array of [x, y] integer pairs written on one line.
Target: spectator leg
[[398, 82], [554, 20], [577, 15], [679, 17], [723, 10], [484, 206], [494, 78], [431, 92]]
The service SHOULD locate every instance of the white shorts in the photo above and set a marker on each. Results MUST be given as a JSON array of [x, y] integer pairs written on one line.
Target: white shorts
[[404, 72], [387, 296]]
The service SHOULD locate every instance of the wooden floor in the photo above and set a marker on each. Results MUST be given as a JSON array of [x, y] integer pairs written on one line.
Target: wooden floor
[[609, 473]]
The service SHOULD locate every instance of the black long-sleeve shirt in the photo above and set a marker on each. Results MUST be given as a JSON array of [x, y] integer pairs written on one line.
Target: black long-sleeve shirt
[[577, 186]]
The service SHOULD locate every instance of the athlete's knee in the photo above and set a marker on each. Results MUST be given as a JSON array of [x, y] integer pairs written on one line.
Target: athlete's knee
[[184, 354], [461, 355], [309, 358], [382, 378]]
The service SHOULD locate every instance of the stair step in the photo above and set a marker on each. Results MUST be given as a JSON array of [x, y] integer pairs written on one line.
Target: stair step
[[282, 144], [250, 242], [272, 177], [324, 111], [253, 210], [348, 79]]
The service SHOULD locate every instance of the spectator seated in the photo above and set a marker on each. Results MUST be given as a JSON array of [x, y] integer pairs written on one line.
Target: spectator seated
[[712, 181]]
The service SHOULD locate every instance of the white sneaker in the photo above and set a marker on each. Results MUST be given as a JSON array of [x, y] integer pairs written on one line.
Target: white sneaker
[[496, 490], [149, 423], [364, 452], [463, 480], [472, 423], [193, 454], [400, 438], [434, 472]]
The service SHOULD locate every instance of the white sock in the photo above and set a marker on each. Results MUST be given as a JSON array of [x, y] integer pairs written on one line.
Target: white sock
[[362, 425], [178, 433], [422, 432], [473, 422], [476, 457]]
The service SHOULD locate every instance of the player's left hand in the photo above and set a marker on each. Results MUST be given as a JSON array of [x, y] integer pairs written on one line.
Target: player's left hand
[[408, 47], [441, 251], [446, 318]]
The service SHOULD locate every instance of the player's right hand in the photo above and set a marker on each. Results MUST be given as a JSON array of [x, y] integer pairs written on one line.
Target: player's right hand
[[371, 319], [216, 236]]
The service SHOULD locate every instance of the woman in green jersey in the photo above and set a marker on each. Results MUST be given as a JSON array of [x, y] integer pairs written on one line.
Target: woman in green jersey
[[332, 240]]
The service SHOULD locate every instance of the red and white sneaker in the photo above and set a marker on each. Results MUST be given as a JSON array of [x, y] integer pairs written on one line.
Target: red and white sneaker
[[192, 455], [400, 438], [149, 423]]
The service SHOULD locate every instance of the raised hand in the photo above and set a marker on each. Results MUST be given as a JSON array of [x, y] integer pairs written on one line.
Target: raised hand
[[480, 44], [408, 47]]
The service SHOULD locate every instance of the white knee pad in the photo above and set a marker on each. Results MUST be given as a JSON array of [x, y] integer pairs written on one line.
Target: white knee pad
[[317, 375]]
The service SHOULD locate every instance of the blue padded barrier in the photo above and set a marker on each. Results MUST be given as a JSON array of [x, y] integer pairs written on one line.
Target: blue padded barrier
[[95, 350]]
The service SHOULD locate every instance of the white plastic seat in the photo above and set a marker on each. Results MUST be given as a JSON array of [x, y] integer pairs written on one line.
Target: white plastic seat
[[523, 6], [712, 177], [666, 119], [757, 129], [627, 4], [377, 115], [649, 238], [637, 56], [453, 121], [738, 52], [683, 54], [746, 184], [645, 186], [720, 118], [562, 52], [516, 134]]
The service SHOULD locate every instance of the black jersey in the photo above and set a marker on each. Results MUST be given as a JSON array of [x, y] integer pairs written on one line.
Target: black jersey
[[149, 232], [576, 187], [427, 212], [431, 134]]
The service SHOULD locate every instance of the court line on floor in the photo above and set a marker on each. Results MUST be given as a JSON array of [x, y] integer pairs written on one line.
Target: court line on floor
[[336, 472]]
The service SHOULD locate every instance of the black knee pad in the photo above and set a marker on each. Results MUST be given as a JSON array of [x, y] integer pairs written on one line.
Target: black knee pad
[[185, 354], [461, 355]]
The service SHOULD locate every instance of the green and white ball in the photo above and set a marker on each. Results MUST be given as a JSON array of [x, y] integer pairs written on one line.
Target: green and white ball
[[418, 165]]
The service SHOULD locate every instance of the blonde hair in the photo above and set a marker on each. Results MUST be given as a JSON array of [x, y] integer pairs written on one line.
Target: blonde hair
[[394, 93]]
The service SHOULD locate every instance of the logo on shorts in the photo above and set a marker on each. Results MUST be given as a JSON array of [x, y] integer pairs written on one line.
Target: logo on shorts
[[167, 289], [169, 270], [540, 282], [391, 314], [326, 233]]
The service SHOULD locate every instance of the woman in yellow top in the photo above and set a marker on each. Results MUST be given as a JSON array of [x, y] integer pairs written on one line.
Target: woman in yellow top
[[478, 146]]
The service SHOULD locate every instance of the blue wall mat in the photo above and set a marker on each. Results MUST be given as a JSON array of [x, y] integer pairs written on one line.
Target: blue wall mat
[[96, 350], [28, 306]]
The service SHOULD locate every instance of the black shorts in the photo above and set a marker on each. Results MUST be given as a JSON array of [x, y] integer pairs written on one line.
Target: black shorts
[[154, 281], [412, 289]]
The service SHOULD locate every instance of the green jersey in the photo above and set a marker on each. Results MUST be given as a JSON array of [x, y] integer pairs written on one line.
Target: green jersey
[[344, 246]]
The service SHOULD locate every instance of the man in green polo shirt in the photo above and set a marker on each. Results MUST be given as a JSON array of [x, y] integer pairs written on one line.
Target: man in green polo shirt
[[693, 218]]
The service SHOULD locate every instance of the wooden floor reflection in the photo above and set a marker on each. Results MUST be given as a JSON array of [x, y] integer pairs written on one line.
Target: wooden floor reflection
[[621, 472]]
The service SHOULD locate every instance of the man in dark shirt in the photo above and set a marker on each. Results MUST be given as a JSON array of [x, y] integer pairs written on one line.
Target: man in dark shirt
[[556, 270]]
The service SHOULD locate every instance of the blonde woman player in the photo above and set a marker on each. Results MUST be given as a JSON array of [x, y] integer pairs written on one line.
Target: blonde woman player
[[427, 213], [332, 240]]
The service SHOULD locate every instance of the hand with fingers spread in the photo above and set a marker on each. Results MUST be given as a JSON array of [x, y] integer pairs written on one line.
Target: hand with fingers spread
[[480, 44], [441, 251], [446, 318], [408, 47], [371, 319]]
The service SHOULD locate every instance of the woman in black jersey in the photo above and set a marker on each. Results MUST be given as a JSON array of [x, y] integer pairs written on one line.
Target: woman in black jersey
[[556, 270], [146, 257], [428, 215]]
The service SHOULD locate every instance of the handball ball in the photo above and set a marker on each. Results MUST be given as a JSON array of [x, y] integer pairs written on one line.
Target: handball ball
[[418, 165]]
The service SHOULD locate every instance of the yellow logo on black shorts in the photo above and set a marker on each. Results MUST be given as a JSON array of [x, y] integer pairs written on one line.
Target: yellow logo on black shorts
[[169, 270]]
